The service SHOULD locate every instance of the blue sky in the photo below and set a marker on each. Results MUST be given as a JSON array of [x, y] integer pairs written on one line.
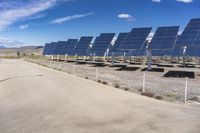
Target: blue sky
[[35, 22]]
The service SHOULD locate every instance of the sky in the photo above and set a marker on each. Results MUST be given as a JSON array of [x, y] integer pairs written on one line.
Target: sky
[[36, 22]]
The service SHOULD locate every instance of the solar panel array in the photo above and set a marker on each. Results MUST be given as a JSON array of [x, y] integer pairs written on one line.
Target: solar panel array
[[46, 50], [135, 39], [163, 40], [69, 46], [82, 46], [49, 48], [166, 41], [59, 47], [101, 44], [120, 39], [189, 38]]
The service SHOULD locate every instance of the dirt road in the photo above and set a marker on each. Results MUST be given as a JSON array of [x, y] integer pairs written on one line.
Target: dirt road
[[35, 99]]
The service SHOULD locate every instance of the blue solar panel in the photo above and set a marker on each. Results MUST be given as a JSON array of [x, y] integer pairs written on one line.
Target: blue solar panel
[[102, 43], [59, 48], [46, 50], [50, 49], [189, 38], [82, 46], [164, 40], [120, 39], [135, 39], [69, 47]]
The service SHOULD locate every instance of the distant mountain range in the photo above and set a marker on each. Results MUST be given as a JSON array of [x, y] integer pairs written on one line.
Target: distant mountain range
[[23, 47], [2, 47]]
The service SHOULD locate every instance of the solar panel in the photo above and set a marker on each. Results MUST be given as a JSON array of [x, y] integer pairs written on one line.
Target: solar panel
[[59, 48], [46, 50], [135, 39], [120, 39], [82, 46], [189, 38], [102, 43], [69, 46], [51, 48], [163, 40]]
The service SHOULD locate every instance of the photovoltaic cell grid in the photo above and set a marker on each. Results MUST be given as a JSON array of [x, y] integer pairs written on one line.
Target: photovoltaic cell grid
[[135, 39], [120, 39], [82, 46], [46, 50], [189, 38], [63, 44], [102, 43], [163, 40], [69, 46], [59, 48], [51, 48]]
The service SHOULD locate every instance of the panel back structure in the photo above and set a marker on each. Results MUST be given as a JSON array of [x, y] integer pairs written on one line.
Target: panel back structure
[[190, 38], [69, 46], [82, 46], [135, 40], [101, 44], [120, 39], [163, 40]]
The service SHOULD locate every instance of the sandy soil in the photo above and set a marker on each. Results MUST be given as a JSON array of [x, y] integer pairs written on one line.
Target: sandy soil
[[170, 88], [35, 99]]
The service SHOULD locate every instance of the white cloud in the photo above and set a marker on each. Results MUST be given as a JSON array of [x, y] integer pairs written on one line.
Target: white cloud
[[126, 16], [24, 26], [157, 1], [9, 43], [185, 1], [12, 11], [69, 18]]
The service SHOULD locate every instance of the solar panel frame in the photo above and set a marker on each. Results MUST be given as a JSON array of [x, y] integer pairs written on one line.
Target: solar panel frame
[[190, 38], [135, 39], [101, 44], [46, 50], [82, 46], [113, 50], [69, 47], [164, 40]]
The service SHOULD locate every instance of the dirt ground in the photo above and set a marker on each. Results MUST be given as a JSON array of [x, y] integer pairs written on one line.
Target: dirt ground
[[172, 89], [36, 99]]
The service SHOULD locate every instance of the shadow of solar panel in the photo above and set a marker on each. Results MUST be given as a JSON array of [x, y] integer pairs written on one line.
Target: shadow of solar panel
[[120, 39], [163, 40], [69, 46], [82, 46], [135, 39], [189, 38], [102, 43]]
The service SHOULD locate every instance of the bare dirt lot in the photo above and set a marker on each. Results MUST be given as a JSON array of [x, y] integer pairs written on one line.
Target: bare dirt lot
[[172, 89], [35, 99]]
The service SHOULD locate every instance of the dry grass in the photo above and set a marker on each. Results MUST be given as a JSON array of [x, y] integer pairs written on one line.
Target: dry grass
[[148, 94], [116, 84], [159, 97], [104, 82], [126, 89]]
